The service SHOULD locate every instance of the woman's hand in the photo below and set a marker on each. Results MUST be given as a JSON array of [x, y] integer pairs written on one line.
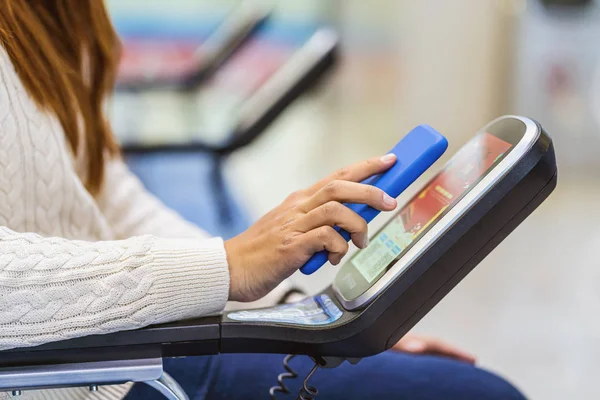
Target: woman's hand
[[424, 345], [285, 238]]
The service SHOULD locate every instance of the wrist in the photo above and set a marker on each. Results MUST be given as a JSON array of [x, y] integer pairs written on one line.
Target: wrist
[[236, 272]]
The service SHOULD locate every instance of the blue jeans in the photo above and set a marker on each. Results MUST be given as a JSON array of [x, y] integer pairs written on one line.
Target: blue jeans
[[388, 375]]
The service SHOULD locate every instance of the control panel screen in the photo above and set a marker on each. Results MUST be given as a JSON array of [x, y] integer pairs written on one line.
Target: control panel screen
[[463, 171], [312, 311]]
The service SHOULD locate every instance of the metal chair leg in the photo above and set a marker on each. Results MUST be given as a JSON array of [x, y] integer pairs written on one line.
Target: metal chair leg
[[89, 374], [168, 387]]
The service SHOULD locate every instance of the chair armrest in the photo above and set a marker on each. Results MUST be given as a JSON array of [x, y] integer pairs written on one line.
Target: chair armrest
[[192, 337]]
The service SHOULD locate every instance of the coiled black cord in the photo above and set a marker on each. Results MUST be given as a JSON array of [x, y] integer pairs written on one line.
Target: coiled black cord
[[290, 374], [306, 392]]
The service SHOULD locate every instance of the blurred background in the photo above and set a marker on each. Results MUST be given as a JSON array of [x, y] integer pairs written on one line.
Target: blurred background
[[530, 310]]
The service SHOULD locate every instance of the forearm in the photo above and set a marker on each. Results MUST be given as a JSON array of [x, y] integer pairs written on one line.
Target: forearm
[[55, 289]]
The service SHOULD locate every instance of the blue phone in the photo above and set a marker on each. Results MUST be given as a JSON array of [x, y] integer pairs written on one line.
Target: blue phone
[[415, 153]]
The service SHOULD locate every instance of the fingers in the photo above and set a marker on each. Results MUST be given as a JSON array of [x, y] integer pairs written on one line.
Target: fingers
[[336, 214], [350, 192], [420, 345], [326, 238], [441, 348], [357, 172]]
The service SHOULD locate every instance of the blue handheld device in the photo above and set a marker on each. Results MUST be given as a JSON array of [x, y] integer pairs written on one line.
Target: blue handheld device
[[415, 153]]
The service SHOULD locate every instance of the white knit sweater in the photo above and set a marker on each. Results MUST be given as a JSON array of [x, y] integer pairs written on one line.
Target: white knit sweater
[[74, 265]]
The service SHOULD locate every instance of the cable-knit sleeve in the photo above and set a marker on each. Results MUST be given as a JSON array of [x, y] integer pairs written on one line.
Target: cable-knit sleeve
[[132, 210], [55, 289]]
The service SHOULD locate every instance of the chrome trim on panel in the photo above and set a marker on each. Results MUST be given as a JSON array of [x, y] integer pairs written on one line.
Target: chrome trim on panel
[[532, 133]]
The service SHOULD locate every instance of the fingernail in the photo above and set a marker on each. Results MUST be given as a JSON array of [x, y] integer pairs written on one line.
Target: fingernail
[[365, 242], [389, 201], [388, 158]]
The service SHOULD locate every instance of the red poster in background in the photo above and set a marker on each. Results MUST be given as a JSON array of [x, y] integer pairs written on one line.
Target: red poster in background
[[466, 167]]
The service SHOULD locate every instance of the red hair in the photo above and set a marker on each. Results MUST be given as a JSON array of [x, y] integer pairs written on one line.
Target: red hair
[[66, 54]]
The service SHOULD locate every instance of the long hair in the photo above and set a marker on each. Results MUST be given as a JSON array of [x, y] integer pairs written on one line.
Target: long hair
[[66, 53]]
